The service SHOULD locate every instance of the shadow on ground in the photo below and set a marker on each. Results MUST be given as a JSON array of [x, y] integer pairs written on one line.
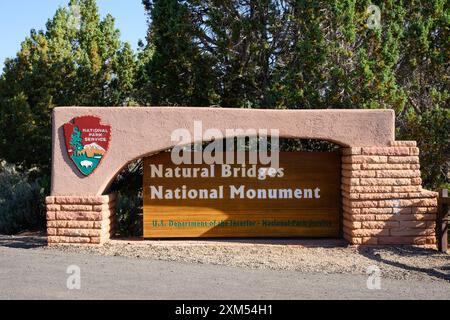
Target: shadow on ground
[[30, 241], [301, 242], [408, 251]]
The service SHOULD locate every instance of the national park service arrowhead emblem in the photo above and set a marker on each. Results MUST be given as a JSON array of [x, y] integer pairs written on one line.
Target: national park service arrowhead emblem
[[87, 141]]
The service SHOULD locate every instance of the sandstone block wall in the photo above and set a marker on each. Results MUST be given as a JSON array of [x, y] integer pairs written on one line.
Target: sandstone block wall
[[79, 220], [383, 199]]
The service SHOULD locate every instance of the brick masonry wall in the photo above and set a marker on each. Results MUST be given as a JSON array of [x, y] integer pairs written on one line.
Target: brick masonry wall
[[383, 199], [79, 220]]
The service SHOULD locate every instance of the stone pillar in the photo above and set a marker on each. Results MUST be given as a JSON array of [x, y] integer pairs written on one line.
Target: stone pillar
[[79, 220], [383, 199]]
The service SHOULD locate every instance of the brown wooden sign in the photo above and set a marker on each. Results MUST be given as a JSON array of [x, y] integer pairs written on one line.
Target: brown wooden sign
[[299, 199]]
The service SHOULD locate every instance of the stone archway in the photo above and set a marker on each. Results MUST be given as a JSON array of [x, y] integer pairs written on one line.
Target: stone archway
[[383, 201]]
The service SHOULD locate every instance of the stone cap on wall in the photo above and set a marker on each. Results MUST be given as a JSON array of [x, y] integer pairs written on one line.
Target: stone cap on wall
[[140, 131]]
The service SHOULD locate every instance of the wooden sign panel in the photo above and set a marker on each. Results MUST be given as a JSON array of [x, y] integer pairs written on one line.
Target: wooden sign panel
[[300, 199]]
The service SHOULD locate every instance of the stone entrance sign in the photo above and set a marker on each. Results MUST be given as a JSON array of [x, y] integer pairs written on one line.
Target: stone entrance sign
[[382, 199]]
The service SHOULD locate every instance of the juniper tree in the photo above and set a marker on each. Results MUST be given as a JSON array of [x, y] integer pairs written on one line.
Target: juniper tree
[[77, 60], [178, 73]]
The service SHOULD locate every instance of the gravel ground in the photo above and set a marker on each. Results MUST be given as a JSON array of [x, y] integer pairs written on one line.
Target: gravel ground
[[297, 255], [307, 256]]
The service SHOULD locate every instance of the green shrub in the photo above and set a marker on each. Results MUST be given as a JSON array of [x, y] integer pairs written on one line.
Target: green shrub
[[128, 217], [22, 202], [431, 130]]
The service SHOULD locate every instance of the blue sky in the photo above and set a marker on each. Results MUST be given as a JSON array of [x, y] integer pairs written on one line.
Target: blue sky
[[18, 17]]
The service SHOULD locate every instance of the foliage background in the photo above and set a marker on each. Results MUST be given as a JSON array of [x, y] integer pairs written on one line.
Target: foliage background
[[277, 54]]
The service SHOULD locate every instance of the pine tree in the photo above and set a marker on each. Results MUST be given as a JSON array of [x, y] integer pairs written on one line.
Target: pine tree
[[243, 38], [283, 54], [178, 73], [77, 60], [123, 84], [75, 141]]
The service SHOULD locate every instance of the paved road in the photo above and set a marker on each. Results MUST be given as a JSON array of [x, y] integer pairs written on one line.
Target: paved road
[[41, 274]]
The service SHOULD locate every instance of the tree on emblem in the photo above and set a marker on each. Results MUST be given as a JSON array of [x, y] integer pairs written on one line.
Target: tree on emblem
[[75, 141]]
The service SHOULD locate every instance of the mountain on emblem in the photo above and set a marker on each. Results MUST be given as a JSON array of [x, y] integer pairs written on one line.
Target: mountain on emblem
[[87, 142]]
